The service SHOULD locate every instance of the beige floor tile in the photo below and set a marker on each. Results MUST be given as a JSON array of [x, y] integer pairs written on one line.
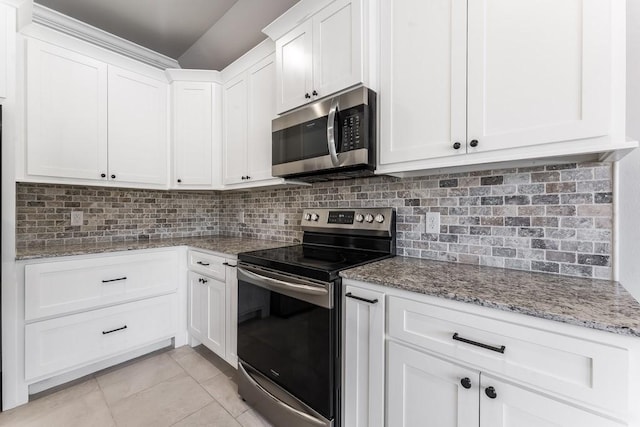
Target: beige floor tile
[[81, 405], [131, 379], [253, 419], [225, 392], [180, 351], [197, 366], [161, 405], [216, 360], [212, 415]]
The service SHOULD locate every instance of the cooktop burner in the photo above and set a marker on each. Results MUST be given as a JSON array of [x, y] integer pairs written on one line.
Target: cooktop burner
[[334, 240]]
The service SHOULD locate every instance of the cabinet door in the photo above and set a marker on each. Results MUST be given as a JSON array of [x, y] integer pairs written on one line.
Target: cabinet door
[[517, 407], [337, 47], [138, 132], [426, 391], [294, 67], [363, 358], [192, 133], [234, 142], [261, 111], [535, 80], [215, 316], [66, 113], [423, 79], [197, 306]]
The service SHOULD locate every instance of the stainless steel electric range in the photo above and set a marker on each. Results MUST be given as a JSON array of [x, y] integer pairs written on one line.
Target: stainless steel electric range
[[289, 314]]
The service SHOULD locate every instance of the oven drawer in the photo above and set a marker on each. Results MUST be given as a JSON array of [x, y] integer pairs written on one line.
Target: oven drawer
[[578, 369], [64, 287], [207, 264], [66, 343]]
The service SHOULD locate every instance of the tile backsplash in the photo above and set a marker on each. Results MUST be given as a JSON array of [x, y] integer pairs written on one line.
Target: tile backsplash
[[556, 219]]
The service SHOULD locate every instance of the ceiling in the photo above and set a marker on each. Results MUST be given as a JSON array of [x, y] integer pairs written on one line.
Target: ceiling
[[205, 34]]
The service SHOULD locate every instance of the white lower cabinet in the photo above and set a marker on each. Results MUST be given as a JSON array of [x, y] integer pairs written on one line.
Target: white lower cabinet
[[451, 364], [212, 301], [427, 391], [69, 342]]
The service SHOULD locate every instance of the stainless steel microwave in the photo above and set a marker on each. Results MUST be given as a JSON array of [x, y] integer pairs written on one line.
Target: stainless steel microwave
[[329, 139]]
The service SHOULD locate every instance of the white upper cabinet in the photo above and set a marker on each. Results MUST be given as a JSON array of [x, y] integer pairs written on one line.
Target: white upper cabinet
[[248, 109], [320, 56], [138, 143], [261, 111], [192, 129], [295, 67], [6, 25], [66, 113], [235, 130], [481, 81], [535, 80], [423, 79], [89, 121]]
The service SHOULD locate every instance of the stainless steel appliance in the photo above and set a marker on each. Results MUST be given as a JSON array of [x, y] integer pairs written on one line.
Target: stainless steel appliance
[[330, 138], [289, 321]]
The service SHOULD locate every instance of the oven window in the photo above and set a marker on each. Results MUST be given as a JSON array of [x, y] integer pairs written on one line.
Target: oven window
[[289, 341], [300, 142]]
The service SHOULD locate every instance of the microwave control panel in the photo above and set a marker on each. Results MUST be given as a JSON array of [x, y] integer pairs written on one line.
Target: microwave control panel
[[352, 130]]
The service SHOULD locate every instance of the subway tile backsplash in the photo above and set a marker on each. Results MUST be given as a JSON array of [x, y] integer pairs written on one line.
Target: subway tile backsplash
[[555, 219]]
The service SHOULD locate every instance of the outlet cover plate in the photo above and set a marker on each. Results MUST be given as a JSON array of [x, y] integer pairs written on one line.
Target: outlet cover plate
[[76, 218], [432, 222]]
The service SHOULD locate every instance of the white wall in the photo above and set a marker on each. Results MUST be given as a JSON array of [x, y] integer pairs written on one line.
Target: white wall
[[628, 178]]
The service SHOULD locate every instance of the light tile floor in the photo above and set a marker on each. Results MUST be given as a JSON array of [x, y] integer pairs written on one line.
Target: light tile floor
[[180, 387]]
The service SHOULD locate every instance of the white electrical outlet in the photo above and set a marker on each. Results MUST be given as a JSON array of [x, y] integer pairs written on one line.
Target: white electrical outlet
[[280, 218], [76, 218], [432, 222], [241, 217]]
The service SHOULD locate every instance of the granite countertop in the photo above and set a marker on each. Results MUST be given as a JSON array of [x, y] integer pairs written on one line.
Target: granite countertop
[[222, 244], [597, 304]]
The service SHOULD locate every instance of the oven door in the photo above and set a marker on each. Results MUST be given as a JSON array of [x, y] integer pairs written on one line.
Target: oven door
[[287, 337]]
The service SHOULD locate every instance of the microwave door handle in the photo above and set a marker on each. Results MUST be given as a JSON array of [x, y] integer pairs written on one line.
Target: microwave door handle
[[331, 131]]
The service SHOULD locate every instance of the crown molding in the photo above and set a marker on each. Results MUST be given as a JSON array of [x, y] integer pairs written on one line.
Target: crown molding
[[297, 14], [78, 29], [189, 75]]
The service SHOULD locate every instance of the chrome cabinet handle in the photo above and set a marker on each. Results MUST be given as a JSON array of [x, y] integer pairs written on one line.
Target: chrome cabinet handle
[[115, 280], [114, 330], [331, 135]]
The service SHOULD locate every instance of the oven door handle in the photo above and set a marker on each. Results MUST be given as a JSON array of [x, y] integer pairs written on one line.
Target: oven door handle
[[281, 284], [331, 131]]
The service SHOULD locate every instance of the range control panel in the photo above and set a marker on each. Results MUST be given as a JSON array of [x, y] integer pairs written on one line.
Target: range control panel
[[375, 219]]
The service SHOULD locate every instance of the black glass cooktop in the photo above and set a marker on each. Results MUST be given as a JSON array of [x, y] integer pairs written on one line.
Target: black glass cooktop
[[313, 261]]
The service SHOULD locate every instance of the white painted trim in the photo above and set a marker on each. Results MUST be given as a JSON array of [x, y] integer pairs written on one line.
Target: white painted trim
[[293, 17], [615, 243], [178, 74], [73, 27]]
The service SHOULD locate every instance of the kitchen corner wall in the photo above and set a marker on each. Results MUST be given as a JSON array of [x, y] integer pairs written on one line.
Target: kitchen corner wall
[[555, 219]]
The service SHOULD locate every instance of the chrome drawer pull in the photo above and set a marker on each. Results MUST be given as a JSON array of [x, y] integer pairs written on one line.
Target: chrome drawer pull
[[202, 263], [479, 344], [114, 330], [115, 280], [370, 301]]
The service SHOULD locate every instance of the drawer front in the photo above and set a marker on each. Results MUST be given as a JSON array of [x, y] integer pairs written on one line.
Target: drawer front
[[209, 265], [63, 287], [578, 369], [66, 343]]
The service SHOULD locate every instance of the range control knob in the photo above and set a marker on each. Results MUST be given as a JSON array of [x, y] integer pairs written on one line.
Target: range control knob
[[307, 217], [359, 218], [380, 218], [368, 218], [314, 217]]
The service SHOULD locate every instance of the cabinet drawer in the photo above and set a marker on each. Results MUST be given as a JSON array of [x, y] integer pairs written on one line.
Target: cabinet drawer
[[207, 264], [591, 372], [63, 287], [69, 342]]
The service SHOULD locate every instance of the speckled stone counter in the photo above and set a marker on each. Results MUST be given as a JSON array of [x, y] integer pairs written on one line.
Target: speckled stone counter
[[596, 304], [221, 244]]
